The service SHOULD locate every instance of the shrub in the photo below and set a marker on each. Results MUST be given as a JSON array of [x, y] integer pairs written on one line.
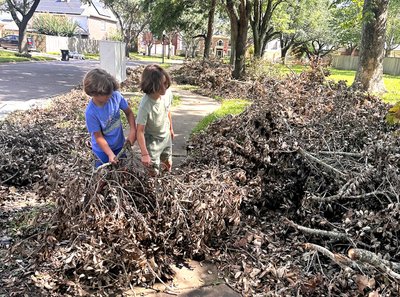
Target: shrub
[[54, 25]]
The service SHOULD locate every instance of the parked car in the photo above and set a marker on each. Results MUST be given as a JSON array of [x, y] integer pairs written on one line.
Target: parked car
[[12, 41]]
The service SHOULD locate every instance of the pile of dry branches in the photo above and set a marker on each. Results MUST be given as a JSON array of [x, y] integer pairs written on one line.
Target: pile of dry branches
[[215, 80], [321, 175], [298, 195], [133, 76], [29, 143], [118, 227]]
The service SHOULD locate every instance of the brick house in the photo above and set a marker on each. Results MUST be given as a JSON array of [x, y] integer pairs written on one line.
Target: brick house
[[220, 46]]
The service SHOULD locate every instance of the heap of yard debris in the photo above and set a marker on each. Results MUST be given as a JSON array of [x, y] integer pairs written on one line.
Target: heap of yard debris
[[321, 171], [298, 195]]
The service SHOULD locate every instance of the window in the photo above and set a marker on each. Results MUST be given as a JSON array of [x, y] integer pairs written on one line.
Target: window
[[220, 43], [103, 26]]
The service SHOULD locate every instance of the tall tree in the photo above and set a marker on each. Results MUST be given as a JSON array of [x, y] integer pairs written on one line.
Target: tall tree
[[132, 19], [21, 12], [393, 27], [210, 29], [369, 76], [174, 16], [316, 38], [239, 15], [263, 30], [347, 23], [289, 19]]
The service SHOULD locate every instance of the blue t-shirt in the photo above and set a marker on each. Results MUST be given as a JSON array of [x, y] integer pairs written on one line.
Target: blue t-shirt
[[107, 120]]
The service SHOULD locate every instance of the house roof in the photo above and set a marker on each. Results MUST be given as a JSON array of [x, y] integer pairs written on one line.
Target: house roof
[[63, 7], [72, 7], [101, 9]]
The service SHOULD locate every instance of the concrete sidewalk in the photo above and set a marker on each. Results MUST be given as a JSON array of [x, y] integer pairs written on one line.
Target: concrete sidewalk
[[185, 116]]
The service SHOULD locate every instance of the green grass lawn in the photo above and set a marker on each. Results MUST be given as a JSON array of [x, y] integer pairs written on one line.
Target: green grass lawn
[[92, 56], [392, 83], [157, 59], [9, 56], [233, 107]]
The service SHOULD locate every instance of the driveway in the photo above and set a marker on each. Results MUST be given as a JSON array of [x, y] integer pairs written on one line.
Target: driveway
[[24, 84]]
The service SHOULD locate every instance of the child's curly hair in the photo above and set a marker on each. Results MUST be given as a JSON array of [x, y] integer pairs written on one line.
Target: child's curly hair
[[98, 82], [152, 79]]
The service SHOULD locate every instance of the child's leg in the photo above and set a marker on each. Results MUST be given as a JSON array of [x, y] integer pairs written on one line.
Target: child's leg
[[166, 155], [154, 147]]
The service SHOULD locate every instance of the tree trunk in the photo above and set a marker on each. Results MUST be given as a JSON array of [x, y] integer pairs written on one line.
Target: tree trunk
[[241, 41], [23, 45], [369, 76], [234, 32], [239, 17], [17, 11], [127, 45], [284, 51], [233, 42], [260, 24], [210, 29], [149, 47], [286, 43]]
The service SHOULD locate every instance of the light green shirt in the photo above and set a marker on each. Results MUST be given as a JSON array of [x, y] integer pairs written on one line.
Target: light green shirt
[[153, 114]]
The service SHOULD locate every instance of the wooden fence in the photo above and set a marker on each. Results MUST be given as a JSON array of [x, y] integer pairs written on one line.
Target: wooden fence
[[76, 44], [390, 65]]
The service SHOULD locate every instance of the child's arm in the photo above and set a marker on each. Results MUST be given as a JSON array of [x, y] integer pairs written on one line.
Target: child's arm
[[102, 142], [142, 144], [132, 126], [170, 125]]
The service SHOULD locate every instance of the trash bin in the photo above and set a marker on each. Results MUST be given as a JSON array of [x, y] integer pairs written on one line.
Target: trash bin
[[64, 55]]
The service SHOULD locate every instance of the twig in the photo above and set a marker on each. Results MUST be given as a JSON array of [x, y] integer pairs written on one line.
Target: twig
[[167, 288], [337, 258], [323, 74], [318, 232], [337, 197], [376, 261], [122, 151], [316, 160], [4, 181], [358, 155]]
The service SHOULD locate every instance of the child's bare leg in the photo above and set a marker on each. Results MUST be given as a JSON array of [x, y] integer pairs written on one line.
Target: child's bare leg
[[166, 165]]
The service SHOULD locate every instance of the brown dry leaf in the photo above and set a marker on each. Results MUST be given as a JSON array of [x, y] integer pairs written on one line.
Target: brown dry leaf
[[363, 282]]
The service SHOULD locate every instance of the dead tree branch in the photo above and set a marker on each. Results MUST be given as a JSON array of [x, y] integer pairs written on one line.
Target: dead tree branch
[[376, 261], [338, 197], [318, 232], [337, 258], [320, 162]]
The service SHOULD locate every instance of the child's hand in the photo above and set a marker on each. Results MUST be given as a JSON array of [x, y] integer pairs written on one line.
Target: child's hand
[[113, 159], [172, 134], [146, 160], [131, 139]]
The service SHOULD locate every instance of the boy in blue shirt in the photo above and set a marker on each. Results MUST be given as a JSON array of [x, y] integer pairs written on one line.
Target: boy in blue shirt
[[103, 116]]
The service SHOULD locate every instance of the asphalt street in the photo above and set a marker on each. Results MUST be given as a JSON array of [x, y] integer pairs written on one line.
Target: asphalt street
[[24, 84]]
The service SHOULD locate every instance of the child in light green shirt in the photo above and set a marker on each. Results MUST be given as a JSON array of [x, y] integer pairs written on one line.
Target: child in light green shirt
[[154, 123]]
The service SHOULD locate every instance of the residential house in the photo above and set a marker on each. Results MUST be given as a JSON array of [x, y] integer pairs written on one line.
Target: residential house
[[95, 21], [220, 46]]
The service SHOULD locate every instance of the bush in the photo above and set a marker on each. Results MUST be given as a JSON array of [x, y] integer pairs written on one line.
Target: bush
[[54, 25]]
